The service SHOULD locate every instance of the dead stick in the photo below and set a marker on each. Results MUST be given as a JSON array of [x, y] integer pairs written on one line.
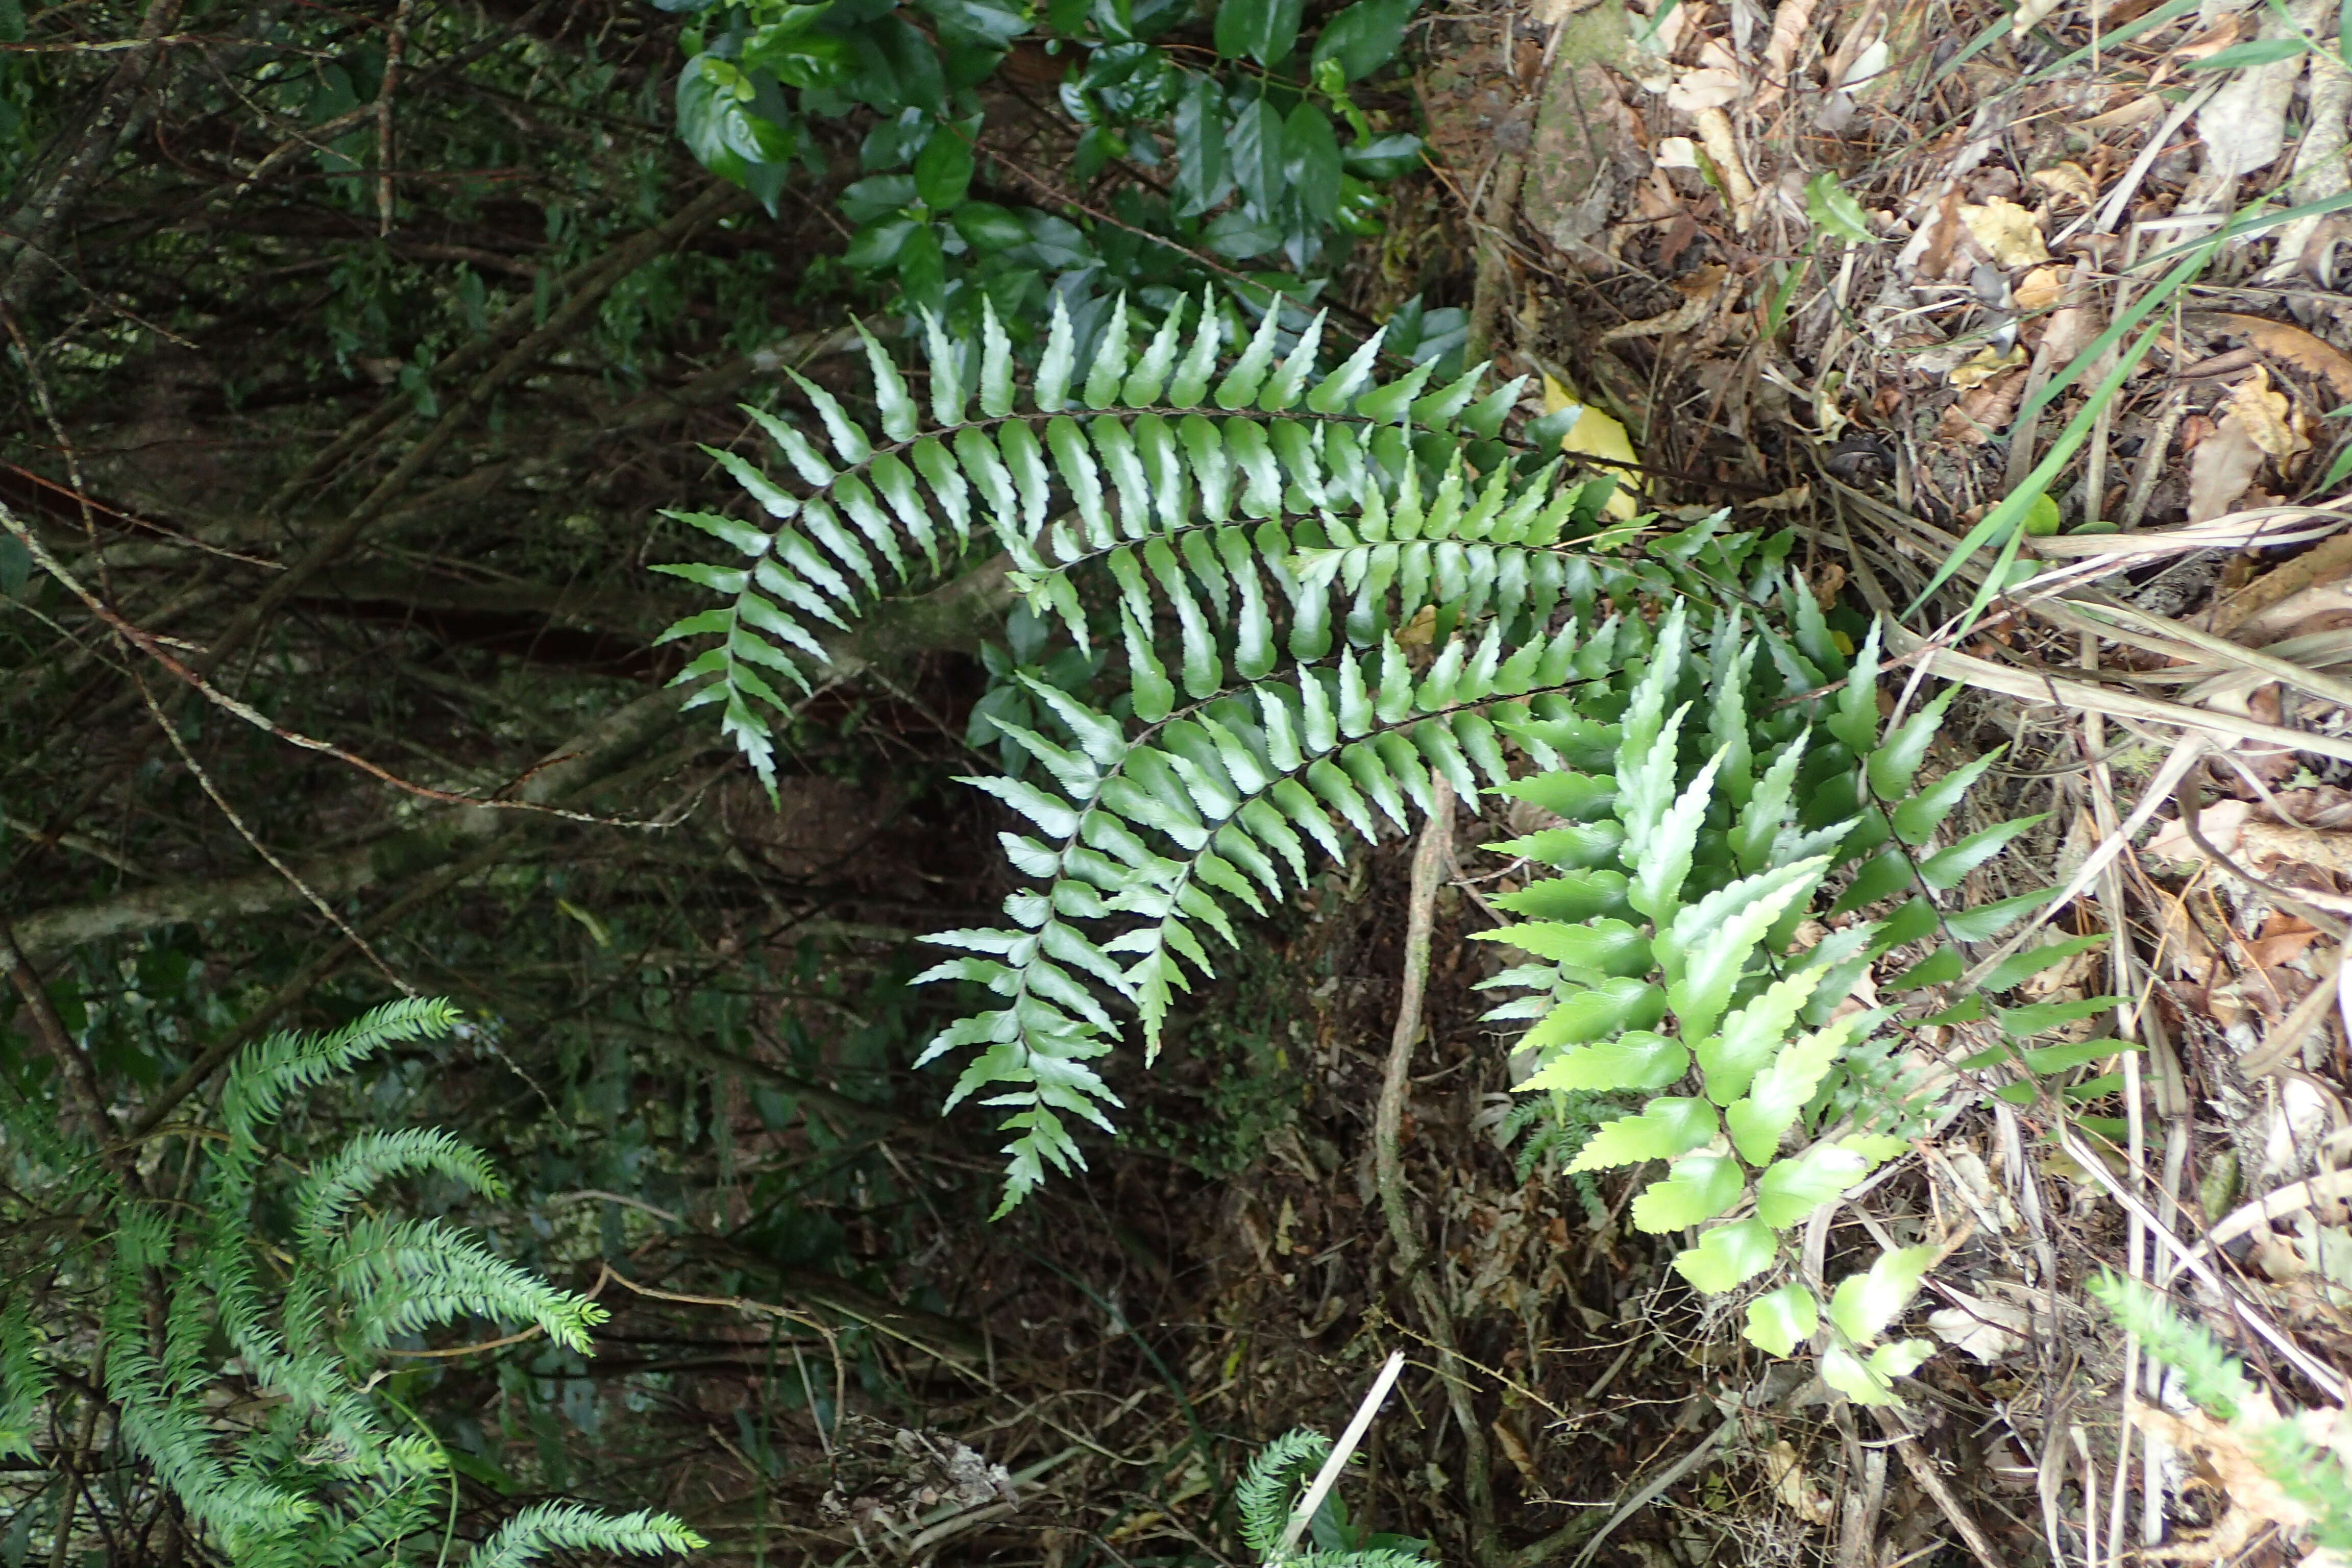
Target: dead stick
[[1337, 1460], [1922, 1470], [1429, 859]]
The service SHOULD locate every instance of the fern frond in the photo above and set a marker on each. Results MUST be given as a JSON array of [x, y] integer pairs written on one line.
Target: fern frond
[[400, 1276], [568, 1527], [260, 1294], [2211, 1377], [1264, 540], [2312, 1475], [264, 1074], [346, 1176], [24, 1382], [1162, 840], [169, 1433], [1227, 508], [1270, 1488]]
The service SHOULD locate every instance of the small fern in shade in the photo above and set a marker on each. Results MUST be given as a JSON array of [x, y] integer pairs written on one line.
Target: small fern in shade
[[1273, 1487], [213, 1303]]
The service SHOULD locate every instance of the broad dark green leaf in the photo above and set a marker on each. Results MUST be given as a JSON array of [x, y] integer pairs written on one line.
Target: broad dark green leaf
[[1265, 30], [1310, 161], [988, 22], [800, 59], [898, 69], [1385, 157], [1203, 167], [922, 269], [1364, 37], [943, 169], [879, 244], [987, 227]]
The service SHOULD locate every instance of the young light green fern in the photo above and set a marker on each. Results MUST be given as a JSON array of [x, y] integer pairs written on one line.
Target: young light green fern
[[1668, 969], [2299, 1453]]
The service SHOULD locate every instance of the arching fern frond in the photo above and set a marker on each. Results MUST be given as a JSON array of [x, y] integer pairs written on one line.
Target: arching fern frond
[[347, 1175], [1227, 500], [401, 1275], [1164, 840], [263, 1075], [1329, 590], [1271, 1489], [568, 1527], [25, 1381]]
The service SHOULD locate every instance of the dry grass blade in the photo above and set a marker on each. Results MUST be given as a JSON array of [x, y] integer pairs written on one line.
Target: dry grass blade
[[2291, 1199], [2047, 688]]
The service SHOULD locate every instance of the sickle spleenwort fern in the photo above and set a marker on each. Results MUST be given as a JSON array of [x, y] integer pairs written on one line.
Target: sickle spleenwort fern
[[1285, 536], [1287, 525]]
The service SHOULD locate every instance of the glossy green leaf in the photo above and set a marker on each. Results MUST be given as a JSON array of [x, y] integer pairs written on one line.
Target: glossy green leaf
[[1790, 1190], [1592, 1013], [1870, 1379], [1668, 1127], [1570, 896], [1310, 161], [1718, 957], [1782, 1319], [1610, 946], [1262, 29], [943, 169], [1364, 37], [1728, 1257], [1865, 1304], [1637, 1061], [1757, 1121], [1944, 869], [1695, 1189]]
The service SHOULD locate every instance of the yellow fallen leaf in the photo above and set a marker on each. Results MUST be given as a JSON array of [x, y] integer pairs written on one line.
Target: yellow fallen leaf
[[1985, 364], [2067, 181], [2007, 231], [2298, 348], [2265, 413], [1595, 435], [2041, 288]]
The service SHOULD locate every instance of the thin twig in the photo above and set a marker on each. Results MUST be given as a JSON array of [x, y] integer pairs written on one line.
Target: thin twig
[[74, 1066], [395, 47], [309, 895], [1931, 1481], [1428, 859], [147, 643]]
